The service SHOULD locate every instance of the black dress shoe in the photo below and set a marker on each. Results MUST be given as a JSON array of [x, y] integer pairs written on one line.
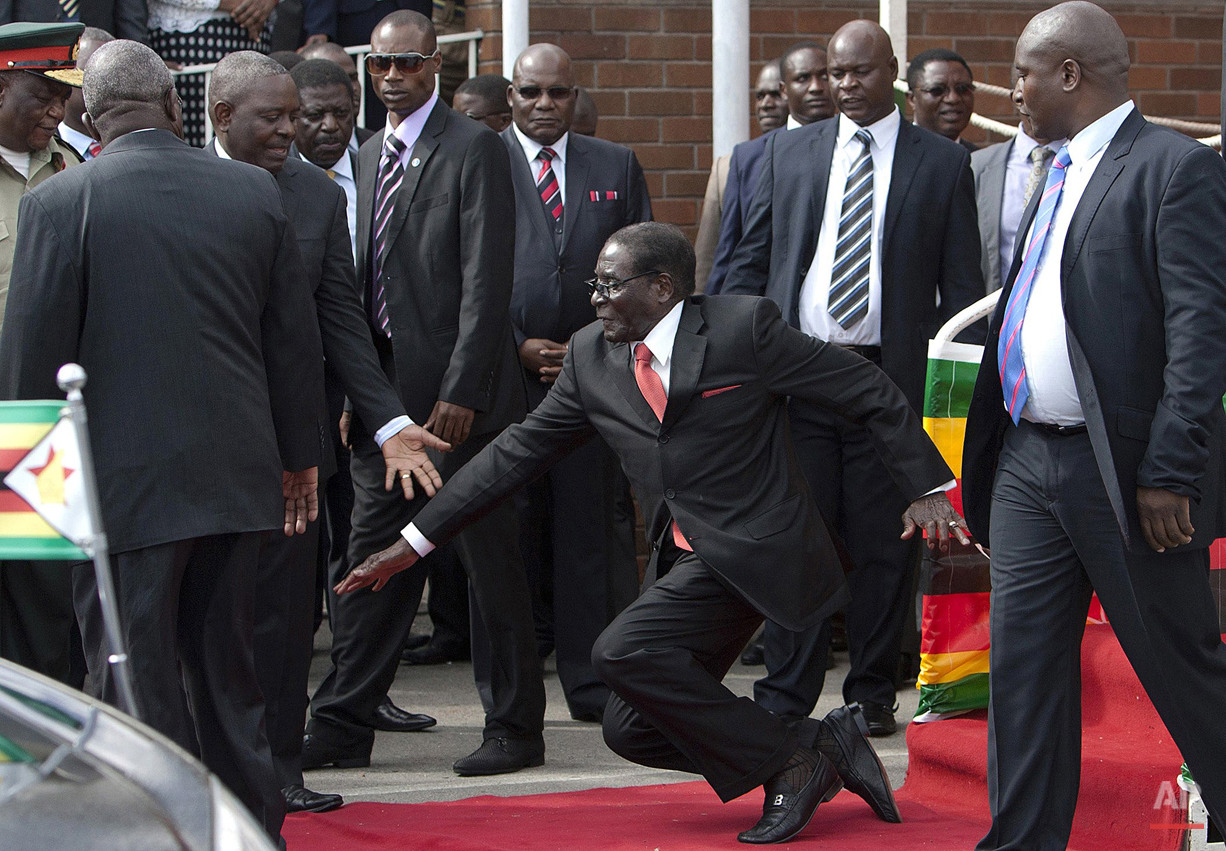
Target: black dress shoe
[[435, 654], [300, 799], [590, 716], [390, 718], [416, 640], [753, 654], [501, 756], [316, 753], [786, 813], [880, 719], [842, 737]]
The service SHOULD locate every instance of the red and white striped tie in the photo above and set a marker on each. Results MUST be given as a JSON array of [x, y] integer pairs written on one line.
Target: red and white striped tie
[[547, 184]]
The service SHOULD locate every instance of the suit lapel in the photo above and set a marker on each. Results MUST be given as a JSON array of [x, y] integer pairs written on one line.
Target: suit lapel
[[620, 369], [822, 153], [525, 187], [426, 143], [576, 184], [907, 156], [993, 182], [689, 349]]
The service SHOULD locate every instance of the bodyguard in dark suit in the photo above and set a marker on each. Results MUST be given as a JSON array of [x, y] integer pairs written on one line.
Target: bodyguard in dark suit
[[1094, 443], [435, 253], [124, 18], [865, 269], [177, 284], [691, 393], [251, 102], [572, 193]]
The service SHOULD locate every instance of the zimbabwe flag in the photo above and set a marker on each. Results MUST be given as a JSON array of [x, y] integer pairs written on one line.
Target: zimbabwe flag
[[24, 427]]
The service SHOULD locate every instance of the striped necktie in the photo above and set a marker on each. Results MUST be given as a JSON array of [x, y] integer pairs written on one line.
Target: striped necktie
[[1009, 346], [391, 174], [848, 301], [1040, 162], [547, 184], [652, 389], [70, 7]]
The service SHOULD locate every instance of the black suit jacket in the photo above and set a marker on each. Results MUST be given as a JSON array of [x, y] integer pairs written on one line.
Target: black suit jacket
[[121, 18], [930, 237], [549, 299], [1144, 279], [721, 462], [448, 270], [174, 279]]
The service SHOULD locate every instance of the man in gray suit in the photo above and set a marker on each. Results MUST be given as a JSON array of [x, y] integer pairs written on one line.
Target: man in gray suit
[[1006, 175]]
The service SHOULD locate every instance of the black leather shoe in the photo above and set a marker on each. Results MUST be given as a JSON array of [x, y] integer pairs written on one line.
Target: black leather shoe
[[300, 799], [501, 756], [590, 716], [842, 737], [434, 654], [880, 719], [316, 753], [416, 640], [753, 654], [786, 813], [390, 718]]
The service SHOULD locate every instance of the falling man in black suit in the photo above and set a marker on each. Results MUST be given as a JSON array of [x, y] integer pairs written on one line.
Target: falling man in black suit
[[1095, 438], [691, 393]]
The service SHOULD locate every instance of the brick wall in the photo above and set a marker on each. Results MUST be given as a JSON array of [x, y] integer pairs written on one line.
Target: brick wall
[[648, 65]]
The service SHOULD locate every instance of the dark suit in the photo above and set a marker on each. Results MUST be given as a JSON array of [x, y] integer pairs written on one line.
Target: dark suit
[[447, 275], [203, 352], [577, 521], [121, 18], [721, 465], [1142, 272], [738, 198], [930, 249]]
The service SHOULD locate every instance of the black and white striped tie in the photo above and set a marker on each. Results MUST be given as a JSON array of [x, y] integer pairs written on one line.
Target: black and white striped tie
[[848, 302]]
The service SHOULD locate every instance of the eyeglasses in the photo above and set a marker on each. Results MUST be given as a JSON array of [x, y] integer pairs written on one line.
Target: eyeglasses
[[938, 92], [605, 290], [555, 92], [378, 64]]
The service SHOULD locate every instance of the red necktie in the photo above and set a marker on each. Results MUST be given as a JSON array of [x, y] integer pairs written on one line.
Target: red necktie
[[652, 389], [94, 149]]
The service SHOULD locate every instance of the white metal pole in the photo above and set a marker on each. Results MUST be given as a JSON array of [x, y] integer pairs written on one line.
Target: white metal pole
[[514, 33], [729, 74], [894, 21]]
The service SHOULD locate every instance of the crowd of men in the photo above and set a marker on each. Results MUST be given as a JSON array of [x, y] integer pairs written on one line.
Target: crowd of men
[[377, 312]]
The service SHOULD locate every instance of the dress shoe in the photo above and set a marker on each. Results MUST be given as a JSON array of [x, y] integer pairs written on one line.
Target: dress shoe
[[501, 756], [316, 753], [300, 799], [435, 654], [416, 640], [390, 718], [753, 654], [785, 812], [590, 716], [880, 719], [842, 737]]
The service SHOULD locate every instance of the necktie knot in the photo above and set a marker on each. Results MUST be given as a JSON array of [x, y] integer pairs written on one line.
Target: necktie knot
[[864, 137], [1041, 154], [546, 155], [393, 148], [330, 173], [94, 149], [642, 354], [1062, 159]]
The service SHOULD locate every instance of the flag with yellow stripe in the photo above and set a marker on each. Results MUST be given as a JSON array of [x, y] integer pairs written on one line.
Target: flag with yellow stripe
[[38, 467]]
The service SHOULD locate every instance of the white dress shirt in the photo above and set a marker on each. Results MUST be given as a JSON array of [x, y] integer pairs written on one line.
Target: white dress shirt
[[353, 142], [1012, 203], [815, 319], [79, 141], [342, 175], [532, 149], [1049, 374]]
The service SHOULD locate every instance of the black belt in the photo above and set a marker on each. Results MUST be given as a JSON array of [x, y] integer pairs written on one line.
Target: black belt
[[872, 353], [1059, 430]]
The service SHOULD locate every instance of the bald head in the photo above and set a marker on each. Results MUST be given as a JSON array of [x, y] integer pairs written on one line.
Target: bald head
[[128, 87], [542, 93], [862, 70], [541, 57], [1071, 66]]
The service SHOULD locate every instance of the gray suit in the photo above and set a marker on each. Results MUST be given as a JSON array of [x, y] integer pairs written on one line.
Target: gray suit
[[989, 166]]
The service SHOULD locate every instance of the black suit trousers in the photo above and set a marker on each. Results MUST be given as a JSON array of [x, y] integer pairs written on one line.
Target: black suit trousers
[[859, 500], [665, 658], [36, 618], [187, 609], [1054, 541]]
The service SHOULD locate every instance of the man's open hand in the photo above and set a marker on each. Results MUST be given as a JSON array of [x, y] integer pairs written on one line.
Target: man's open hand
[[301, 492], [405, 455], [1166, 518], [935, 516], [450, 422], [379, 568]]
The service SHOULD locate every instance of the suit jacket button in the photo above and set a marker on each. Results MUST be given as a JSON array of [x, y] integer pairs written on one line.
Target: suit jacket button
[[663, 438], [670, 493]]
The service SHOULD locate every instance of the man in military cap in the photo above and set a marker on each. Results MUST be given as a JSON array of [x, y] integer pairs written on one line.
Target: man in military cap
[[37, 73]]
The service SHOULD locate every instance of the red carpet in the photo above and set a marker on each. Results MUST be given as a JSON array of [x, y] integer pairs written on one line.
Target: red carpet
[[1127, 755]]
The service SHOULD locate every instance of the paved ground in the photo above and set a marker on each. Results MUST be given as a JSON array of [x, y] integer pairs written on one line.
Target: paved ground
[[411, 767]]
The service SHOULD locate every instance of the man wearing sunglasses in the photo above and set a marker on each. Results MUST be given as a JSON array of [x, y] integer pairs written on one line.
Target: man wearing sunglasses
[[572, 193], [435, 243], [941, 94]]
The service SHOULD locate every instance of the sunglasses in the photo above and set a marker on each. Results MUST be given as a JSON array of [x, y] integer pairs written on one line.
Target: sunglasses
[[938, 92], [613, 286], [379, 64], [555, 92]]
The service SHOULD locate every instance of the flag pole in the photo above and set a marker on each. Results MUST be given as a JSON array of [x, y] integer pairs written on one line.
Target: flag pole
[[71, 378]]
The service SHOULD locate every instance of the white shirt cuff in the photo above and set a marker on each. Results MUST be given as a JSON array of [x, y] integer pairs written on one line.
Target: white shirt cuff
[[948, 486], [417, 540], [392, 428]]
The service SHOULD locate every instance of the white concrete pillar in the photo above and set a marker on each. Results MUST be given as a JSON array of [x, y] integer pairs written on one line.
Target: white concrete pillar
[[894, 21], [729, 74], [514, 33]]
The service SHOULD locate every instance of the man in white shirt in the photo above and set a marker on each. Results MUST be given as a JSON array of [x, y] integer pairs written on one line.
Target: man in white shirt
[[1096, 436], [324, 127]]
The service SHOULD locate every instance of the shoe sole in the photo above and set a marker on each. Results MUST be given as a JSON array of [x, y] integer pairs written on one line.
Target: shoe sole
[[534, 762]]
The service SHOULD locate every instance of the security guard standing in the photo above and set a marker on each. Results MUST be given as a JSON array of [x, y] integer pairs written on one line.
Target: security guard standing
[[37, 68]]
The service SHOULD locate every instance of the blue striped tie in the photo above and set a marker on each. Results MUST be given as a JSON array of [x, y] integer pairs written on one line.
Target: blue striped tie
[[848, 302], [1009, 346]]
